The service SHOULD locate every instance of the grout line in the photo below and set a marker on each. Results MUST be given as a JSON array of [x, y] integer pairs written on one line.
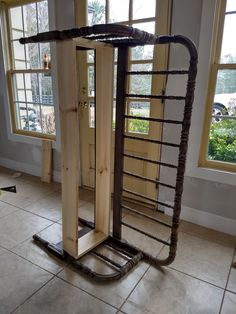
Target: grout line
[[28, 298], [85, 291], [227, 282]]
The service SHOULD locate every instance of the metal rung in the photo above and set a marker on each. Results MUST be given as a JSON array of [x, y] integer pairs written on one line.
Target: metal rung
[[145, 233], [153, 119], [151, 161], [157, 72], [148, 198], [146, 216], [151, 141], [148, 179], [156, 96], [105, 258]]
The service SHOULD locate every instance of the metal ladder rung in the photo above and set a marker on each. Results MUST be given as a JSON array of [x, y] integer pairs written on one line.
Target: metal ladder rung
[[146, 216], [145, 233], [150, 160], [153, 119], [160, 72], [148, 198], [156, 96], [150, 141], [148, 179]]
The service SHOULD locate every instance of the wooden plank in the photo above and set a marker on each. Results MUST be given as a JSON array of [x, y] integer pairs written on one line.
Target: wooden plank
[[89, 241], [46, 166], [68, 105], [104, 107]]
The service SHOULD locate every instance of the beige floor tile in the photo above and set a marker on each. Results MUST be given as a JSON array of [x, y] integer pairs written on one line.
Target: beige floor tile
[[208, 234], [232, 280], [27, 193], [172, 292], [19, 280], [203, 259], [61, 298], [54, 186], [141, 241], [48, 207], [37, 255], [229, 304], [114, 292], [19, 226], [6, 209]]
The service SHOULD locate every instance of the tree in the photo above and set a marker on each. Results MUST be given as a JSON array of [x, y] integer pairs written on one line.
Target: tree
[[96, 12]]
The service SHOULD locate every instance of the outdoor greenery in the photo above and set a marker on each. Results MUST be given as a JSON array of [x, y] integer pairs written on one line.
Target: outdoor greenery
[[222, 141]]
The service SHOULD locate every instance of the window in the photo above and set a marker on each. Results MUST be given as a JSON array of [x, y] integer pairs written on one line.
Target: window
[[30, 81], [142, 15], [219, 134]]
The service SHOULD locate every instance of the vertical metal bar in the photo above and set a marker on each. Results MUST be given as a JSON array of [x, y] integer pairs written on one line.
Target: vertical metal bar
[[122, 65]]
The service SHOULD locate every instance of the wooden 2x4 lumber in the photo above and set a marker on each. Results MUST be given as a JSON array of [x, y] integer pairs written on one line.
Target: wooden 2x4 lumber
[[68, 109]]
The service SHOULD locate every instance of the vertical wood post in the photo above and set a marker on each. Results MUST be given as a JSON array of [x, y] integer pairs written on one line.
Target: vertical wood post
[[46, 166]]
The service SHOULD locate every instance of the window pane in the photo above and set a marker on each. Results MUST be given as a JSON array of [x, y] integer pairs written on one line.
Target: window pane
[[140, 84], [228, 50], [42, 11], [30, 19], [91, 81], [91, 114], [16, 18], [48, 119], [231, 6], [19, 51], [143, 52], [222, 140], [17, 34], [119, 11], [32, 52], [96, 12], [139, 109], [143, 9]]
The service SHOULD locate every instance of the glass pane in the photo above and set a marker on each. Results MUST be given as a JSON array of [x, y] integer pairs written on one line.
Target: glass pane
[[140, 84], [91, 114], [32, 52], [90, 55], [143, 52], [19, 51], [119, 11], [228, 50], [222, 139], [143, 9], [231, 6], [91, 82], [139, 109], [141, 67], [96, 12], [16, 18], [48, 120], [19, 81], [17, 34], [42, 18], [30, 19]]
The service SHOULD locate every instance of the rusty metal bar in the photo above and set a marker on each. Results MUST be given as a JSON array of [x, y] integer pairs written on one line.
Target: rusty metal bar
[[137, 138], [147, 198], [146, 216], [122, 65], [148, 179], [164, 97], [160, 72], [153, 119], [150, 160], [145, 233]]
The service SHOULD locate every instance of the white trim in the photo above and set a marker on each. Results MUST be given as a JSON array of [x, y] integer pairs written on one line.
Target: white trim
[[206, 219], [27, 168], [205, 45]]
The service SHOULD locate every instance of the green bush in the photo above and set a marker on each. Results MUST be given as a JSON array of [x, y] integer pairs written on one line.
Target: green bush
[[138, 126], [222, 141]]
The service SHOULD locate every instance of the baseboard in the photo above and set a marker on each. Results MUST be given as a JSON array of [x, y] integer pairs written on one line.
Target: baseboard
[[27, 168], [205, 219]]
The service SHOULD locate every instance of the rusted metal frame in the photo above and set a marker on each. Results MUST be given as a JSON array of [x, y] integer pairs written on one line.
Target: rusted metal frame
[[145, 233], [160, 72], [132, 210], [154, 119], [164, 97], [122, 65], [147, 198], [157, 182], [150, 160], [137, 138]]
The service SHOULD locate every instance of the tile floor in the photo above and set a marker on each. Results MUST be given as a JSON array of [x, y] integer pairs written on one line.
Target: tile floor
[[200, 280]]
